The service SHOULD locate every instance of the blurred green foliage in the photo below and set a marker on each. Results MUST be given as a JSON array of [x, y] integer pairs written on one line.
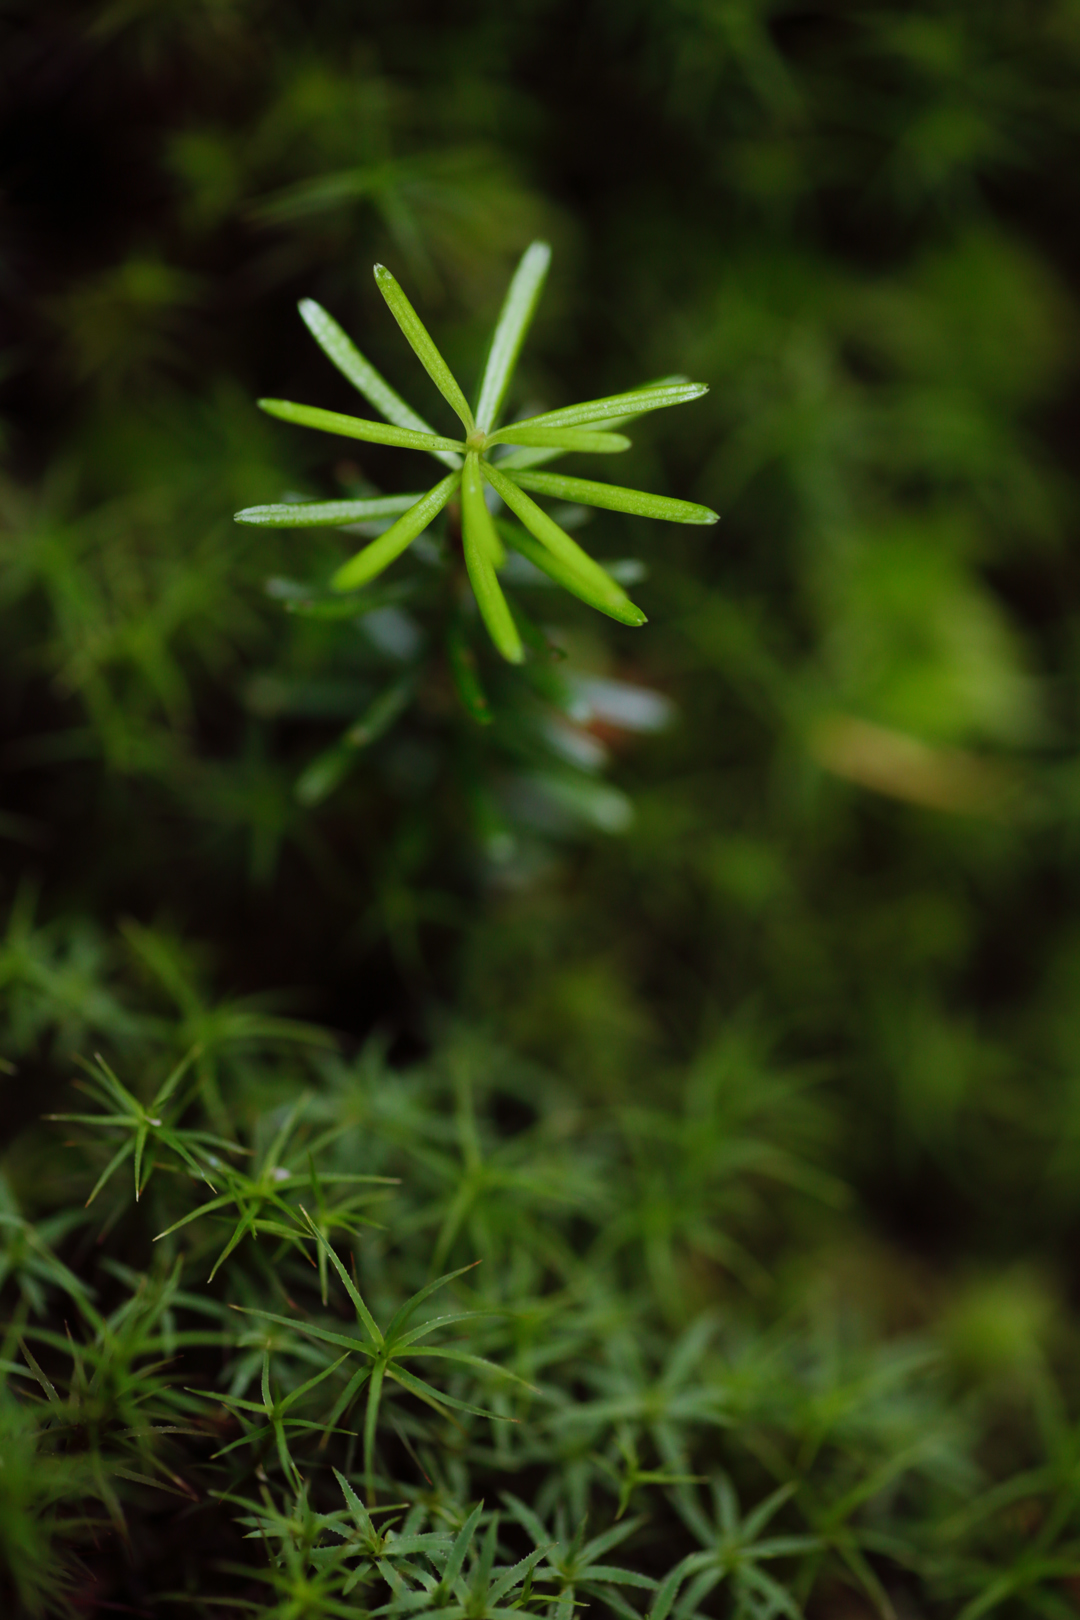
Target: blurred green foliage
[[773, 902]]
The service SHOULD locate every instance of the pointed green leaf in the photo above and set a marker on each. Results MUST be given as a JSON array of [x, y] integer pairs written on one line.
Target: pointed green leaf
[[438, 1398], [344, 354], [117, 1159], [625, 612], [460, 1547], [400, 1317], [318, 514], [105, 1077], [350, 1287], [355, 1506], [311, 1329], [354, 427], [587, 492], [516, 1573], [559, 543], [140, 1144], [480, 540], [193, 1215], [565, 439], [467, 1359], [535, 457], [516, 315], [636, 401], [371, 1418], [382, 552], [347, 1396], [423, 347]]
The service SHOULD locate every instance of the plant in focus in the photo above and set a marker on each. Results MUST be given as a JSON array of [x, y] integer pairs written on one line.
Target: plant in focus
[[478, 523], [490, 461]]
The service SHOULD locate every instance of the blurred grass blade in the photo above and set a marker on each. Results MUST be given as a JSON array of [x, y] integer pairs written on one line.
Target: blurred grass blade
[[482, 545], [355, 427], [587, 492], [467, 684], [423, 346], [381, 552], [514, 320], [565, 550], [343, 353], [568, 439], [636, 402], [331, 767], [324, 514]]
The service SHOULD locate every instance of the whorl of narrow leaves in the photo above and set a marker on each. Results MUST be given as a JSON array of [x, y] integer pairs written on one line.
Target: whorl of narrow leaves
[[583, 429]]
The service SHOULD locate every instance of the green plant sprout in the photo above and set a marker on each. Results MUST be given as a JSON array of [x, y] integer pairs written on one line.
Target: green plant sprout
[[490, 463]]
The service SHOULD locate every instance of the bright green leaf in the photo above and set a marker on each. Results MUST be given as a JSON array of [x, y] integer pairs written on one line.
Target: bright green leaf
[[381, 552], [344, 354], [319, 514], [423, 347], [481, 546], [587, 492], [515, 317]]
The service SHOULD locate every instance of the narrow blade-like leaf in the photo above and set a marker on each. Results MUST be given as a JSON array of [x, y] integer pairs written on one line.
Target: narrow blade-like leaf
[[566, 440], [587, 492], [311, 1330], [516, 315], [557, 541], [344, 354], [382, 552], [533, 456], [438, 1397], [467, 1359], [371, 1418], [460, 1547], [320, 514], [117, 1159], [400, 1317], [625, 611], [636, 402], [174, 1078], [478, 535], [517, 1573], [351, 1289], [423, 346], [354, 427]]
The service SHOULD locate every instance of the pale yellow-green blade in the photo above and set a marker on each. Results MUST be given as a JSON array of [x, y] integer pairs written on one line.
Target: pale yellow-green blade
[[556, 539], [515, 317], [566, 440], [343, 353], [639, 400], [423, 346], [587, 492], [482, 545], [626, 612], [318, 514], [381, 552], [355, 427]]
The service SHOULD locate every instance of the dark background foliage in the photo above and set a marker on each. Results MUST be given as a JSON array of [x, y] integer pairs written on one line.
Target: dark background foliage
[[853, 856]]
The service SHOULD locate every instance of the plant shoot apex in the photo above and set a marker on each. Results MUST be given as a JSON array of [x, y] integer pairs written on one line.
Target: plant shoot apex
[[504, 478]]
